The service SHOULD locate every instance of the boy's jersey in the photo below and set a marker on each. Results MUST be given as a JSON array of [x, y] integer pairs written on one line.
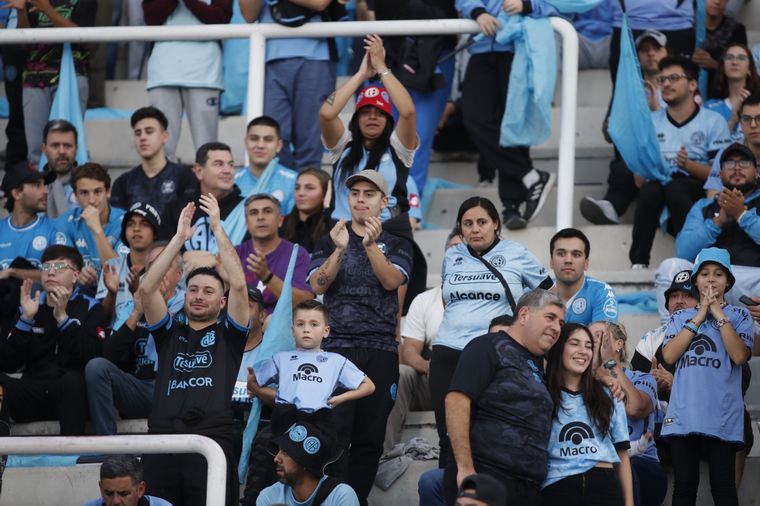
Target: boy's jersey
[[27, 242], [594, 302], [73, 231], [282, 185], [240, 393], [646, 383], [308, 378]]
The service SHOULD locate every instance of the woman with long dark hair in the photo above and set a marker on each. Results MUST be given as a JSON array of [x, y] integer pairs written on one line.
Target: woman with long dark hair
[[735, 80], [308, 221], [589, 436], [481, 279]]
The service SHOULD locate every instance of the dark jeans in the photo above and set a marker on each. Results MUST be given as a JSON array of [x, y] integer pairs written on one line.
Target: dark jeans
[[519, 492], [621, 187], [678, 195], [180, 478], [63, 399], [362, 423], [650, 483], [14, 60], [596, 487], [443, 362], [721, 460], [484, 98]]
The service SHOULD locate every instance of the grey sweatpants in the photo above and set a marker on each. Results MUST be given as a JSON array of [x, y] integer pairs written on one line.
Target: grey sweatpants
[[201, 106], [37, 103]]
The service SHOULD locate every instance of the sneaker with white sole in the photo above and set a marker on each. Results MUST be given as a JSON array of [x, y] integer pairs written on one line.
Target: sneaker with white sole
[[599, 211], [512, 219], [639, 267], [537, 194]]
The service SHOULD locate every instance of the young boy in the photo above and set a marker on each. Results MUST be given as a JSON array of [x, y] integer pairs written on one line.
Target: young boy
[[306, 380]]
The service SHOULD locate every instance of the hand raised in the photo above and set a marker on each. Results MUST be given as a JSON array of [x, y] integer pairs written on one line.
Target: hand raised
[[210, 206], [373, 45], [29, 305], [111, 277], [185, 228]]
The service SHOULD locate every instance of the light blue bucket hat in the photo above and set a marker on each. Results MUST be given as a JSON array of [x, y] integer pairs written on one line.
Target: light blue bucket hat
[[715, 255]]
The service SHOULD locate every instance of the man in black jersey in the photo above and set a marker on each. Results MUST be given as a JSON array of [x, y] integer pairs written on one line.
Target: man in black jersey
[[198, 362]]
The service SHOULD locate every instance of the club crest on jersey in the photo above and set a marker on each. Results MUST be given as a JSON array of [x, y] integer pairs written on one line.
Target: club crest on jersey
[[168, 187], [610, 308], [60, 238], [579, 305], [498, 261], [209, 339], [698, 138], [39, 243], [321, 358]]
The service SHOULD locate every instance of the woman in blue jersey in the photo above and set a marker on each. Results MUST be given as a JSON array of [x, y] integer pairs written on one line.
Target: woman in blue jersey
[[705, 418], [373, 139], [481, 279], [589, 430], [735, 80], [650, 483]]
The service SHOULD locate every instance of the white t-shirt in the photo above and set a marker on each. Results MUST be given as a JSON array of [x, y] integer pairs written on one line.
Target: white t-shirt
[[424, 317]]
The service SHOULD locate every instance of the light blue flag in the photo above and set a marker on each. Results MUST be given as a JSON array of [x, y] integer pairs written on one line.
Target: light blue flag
[[235, 63], [278, 337], [701, 36], [630, 123], [66, 104]]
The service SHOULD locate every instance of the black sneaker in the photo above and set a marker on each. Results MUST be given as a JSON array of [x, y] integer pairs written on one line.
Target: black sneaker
[[599, 211], [513, 220], [537, 194]]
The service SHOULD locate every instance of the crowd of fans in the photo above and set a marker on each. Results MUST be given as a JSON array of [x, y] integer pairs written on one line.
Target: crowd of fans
[[148, 296]]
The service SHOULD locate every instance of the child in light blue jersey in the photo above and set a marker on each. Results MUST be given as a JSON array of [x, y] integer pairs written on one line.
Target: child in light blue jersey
[[589, 430], [705, 417]]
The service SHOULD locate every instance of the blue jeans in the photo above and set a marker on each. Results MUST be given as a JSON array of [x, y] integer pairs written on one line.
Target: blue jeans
[[430, 488], [109, 389], [294, 91]]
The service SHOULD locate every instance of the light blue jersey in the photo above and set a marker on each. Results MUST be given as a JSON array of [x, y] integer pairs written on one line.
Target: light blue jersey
[[27, 242], [662, 15], [723, 107], [644, 382], [309, 49], [473, 296], [281, 185], [280, 493], [124, 302], [706, 398], [307, 378], [594, 302], [576, 444], [73, 231], [240, 393], [703, 136]]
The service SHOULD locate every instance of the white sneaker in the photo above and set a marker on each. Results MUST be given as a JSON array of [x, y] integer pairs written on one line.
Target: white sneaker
[[639, 267], [599, 211]]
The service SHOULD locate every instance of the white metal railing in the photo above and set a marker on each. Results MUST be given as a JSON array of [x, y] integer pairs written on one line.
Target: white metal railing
[[258, 34], [216, 478]]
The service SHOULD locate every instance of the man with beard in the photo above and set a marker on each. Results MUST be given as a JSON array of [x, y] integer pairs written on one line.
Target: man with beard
[[59, 145]]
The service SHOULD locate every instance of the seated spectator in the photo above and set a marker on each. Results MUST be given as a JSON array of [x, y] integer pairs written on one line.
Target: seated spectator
[[93, 227], [266, 255], [122, 484], [586, 299], [358, 268], [722, 32], [300, 75], [689, 138], [43, 63], [265, 174], [59, 145], [121, 271], [310, 219], [198, 362], [307, 379], [122, 380], [420, 328], [594, 29], [303, 452], [735, 80], [215, 170], [58, 331], [186, 76], [481, 490], [156, 180], [623, 186]]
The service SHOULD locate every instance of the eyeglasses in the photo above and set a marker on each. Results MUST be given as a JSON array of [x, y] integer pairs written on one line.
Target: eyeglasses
[[746, 119], [673, 78], [736, 57], [55, 266], [732, 164]]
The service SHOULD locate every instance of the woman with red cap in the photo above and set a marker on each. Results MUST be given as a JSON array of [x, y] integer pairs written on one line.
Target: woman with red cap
[[373, 139]]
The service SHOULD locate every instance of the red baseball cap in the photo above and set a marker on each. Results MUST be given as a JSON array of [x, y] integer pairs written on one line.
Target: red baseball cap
[[377, 97]]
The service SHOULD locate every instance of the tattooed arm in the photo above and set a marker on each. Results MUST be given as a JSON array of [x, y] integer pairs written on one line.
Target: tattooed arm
[[321, 280]]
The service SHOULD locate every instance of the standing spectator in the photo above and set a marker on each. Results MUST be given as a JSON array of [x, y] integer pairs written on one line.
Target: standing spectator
[[588, 448], [57, 332], [93, 226], [587, 300], [198, 363], [689, 138], [484, 98], [734, 81], [156, 180], [310, 219], [482, 278], [137, 50], [497, 386], [708, 347], [59, 145], [300, 74], [359, 268], [14, 60], [121, 484], [265, 174], [186, 76], [43, 63], [266, 255], [722, 31], [373, 140], [594, 29]]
